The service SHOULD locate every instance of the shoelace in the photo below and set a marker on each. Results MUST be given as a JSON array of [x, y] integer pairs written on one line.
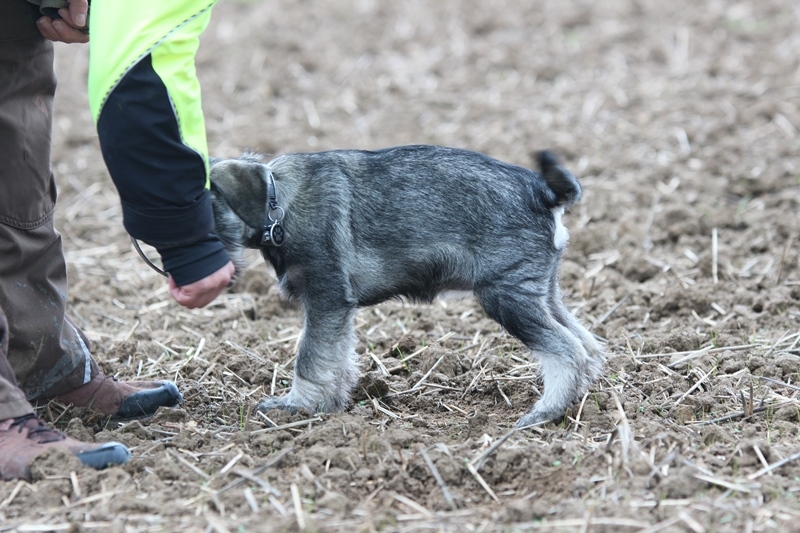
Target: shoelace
[[43, 432]]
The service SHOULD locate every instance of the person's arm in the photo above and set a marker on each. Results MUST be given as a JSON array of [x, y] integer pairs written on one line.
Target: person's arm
[[145, 99]]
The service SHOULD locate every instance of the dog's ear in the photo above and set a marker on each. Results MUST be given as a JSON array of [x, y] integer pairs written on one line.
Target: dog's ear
[[243, 186]]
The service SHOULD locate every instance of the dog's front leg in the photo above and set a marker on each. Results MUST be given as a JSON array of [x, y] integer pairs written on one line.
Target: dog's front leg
[[325, 370]]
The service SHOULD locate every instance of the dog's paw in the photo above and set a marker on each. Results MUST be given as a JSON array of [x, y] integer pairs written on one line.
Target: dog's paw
[[277, 402], [538, 418]]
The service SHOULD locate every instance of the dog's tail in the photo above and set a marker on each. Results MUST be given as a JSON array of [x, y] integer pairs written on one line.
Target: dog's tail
[[564, 186]]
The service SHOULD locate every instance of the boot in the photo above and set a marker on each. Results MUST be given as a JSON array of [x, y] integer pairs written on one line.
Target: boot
[[121, 399], [24, 438]]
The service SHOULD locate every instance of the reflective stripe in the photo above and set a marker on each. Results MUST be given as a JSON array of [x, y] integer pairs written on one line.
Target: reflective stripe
[[87, 361], [65, 365]]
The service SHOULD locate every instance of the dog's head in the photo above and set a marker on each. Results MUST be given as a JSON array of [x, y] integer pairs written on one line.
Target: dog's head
[[239, 201]]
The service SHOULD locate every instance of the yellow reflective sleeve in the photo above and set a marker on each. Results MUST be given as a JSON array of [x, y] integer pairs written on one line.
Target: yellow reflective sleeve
[[124, 32]]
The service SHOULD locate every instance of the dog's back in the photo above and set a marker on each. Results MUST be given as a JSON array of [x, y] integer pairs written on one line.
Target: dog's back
[[410, 177]]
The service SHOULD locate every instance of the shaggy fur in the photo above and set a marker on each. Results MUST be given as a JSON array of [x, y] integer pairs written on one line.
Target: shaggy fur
[[363, 227]]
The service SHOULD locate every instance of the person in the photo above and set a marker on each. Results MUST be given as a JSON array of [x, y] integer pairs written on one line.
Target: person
[[144, 97]]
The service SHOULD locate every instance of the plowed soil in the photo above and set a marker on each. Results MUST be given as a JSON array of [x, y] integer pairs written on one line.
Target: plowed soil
[[681, 121]]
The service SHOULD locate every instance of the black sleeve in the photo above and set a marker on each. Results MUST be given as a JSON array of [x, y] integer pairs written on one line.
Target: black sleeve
[[161, 181]]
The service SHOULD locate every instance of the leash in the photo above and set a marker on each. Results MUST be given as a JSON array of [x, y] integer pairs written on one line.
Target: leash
[[146, 260], [154, 267]]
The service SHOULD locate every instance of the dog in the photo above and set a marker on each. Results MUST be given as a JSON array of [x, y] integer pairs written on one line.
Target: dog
[[345, 229]]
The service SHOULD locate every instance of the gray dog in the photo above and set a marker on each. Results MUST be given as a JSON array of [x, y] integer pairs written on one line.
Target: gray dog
[[346, 229]]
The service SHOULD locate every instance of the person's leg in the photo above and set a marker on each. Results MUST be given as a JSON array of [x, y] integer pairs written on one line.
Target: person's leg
[[48, 354], [12, 399], [23, 437], [45, 351]]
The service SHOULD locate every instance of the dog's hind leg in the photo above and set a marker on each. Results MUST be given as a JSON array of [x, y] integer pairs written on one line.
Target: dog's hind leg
[[568, 320], [326, 369], [524, 310]]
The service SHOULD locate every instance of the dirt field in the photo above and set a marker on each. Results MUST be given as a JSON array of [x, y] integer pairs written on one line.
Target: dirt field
[[681, 120]]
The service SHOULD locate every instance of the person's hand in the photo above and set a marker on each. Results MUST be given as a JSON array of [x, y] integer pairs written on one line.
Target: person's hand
[[67, 29], [202, 292]]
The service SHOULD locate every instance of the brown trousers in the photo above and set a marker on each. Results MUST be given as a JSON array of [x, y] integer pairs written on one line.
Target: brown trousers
[[46, 352]]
